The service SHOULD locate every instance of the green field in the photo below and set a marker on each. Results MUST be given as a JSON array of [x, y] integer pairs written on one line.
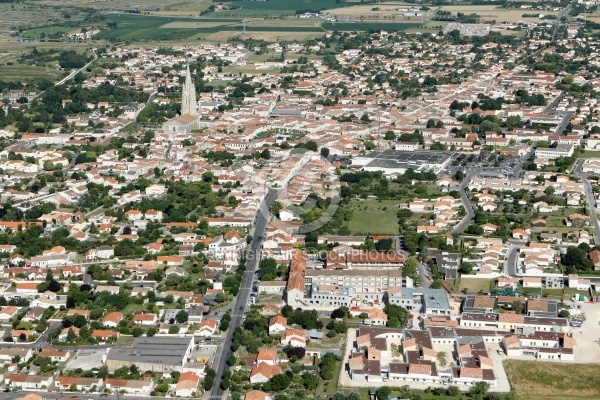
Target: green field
[[35, 33], [18, 71], [147, 28], [367, 26], [532, 380], [276, 8], [374, 217]]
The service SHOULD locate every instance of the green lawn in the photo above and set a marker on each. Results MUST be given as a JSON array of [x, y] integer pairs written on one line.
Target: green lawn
[[374, 217], [589, 154], [474, 285], [532, 380]]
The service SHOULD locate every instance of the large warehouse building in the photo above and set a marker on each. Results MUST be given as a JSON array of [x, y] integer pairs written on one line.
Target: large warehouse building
[[152, 354], [397, 162]]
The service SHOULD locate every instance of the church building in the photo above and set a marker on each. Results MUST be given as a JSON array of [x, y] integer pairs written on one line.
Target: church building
[[188, 120]]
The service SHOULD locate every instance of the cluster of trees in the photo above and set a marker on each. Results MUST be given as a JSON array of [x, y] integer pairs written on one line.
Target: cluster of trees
[[209, 379], [49, 106], [398, 317], [225, 321], [30, 243], [576, 259], [155, 114], [72, 59], [269, 270], [308, 319], [327, 366]]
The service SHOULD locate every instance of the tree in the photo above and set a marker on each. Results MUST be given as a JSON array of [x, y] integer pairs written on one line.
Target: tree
[[442, 359], [383, 393], [338, 313], [310, 381], [518, 307], [397, 316], [71, 336], [390, 135], [209, 379], [410, 267], [327, 366], [324, 152], [54, 286], [465, 268], [280, 382], [276, 207], [369, 145], [479, 389], [231, 361], [266, 154], [268, 269], [574, 257], [181, 317], [311, 145], [137, 331], [453, 391]]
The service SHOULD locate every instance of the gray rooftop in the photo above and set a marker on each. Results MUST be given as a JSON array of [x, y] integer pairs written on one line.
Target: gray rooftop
[[276, 112], [433, 298], [153, 350], [407, 159]]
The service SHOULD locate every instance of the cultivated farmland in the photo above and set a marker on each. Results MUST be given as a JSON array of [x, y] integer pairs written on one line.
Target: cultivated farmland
[[273, 8]]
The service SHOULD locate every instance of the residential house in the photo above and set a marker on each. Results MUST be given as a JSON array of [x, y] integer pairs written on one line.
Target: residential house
[[277, 325], [262, 372], [187, 384], [208, 327], [129, 386], [294, 337]]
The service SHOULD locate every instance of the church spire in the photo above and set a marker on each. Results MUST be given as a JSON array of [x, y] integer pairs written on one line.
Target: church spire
[[188, 76], [188, 98]]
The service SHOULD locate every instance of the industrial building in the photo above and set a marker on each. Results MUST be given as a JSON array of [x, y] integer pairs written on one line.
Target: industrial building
[[152, 354]]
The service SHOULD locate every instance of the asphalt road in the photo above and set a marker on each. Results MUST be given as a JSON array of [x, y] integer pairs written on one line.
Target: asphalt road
[[510, 269], [466, 203], [425, 275], [241, 301], [590, 199], [74, 395]]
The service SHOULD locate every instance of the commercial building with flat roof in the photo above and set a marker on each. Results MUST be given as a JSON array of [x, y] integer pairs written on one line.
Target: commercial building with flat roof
[[422, 300], [392, 162], [152, 354]]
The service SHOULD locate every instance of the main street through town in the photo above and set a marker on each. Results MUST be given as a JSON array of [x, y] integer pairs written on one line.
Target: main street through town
[[263, 217]]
